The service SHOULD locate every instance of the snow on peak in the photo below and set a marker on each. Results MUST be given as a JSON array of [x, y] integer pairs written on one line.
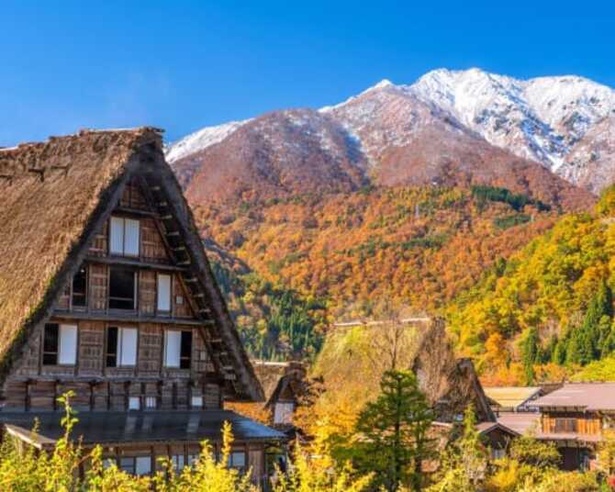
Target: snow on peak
[[382, 84], [201, 139], [538, 118]]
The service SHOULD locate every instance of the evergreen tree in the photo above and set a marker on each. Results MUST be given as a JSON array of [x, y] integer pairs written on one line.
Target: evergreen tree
[[530, 354], [392, 430], [465, 462], [592, 339]]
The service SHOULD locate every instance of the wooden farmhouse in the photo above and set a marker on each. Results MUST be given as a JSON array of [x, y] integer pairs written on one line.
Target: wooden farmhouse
[[451, 385], [284, 384], [105, 290], [576, 418]]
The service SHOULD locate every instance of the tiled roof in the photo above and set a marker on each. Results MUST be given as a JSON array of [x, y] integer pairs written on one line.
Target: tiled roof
[[142, 427], [588, 396]]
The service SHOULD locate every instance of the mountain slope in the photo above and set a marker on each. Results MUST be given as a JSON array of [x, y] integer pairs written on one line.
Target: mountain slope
[[550, 120], [556, 292], [542, 119]]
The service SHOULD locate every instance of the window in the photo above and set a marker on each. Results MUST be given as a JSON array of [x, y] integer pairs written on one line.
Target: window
[[164, 293], [283, 413], [59, 344], [121, 347], [124, 236], [237, 460], [80, 282], [122, 288], [134, 403], [151, 402], [177, 349], [178, 461], [565, 425], [498, 453], [196, 402], [136, 465]]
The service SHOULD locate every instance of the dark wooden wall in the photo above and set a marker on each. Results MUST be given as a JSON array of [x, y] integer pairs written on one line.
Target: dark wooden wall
[[97, 387]]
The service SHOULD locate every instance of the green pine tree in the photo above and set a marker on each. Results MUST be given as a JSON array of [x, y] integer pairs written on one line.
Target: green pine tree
[[530, 354], [392, 430]]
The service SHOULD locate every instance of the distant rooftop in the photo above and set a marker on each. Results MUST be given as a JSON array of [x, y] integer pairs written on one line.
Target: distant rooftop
[[511, 396], [522, 423], [588, 396]]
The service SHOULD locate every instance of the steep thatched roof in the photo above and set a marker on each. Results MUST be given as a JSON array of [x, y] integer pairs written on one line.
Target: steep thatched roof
[[269, 375], [450, 384], [53, 197]]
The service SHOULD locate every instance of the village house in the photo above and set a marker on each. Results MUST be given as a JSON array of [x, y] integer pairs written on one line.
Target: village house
[[284, 385], [105, 290], [451, 385], [575, 417]]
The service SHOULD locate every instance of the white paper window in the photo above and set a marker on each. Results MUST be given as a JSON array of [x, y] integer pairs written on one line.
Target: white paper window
[[283, 413], [128, 346], [164, 293], [116, 236], [134, 403], [124, 236], [172, 348], [197, 402], [143, 465], [131, 237], [150, 402], [68, 345]]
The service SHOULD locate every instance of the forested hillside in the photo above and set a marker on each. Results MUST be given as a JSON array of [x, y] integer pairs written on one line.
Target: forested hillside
[[548, 306], [289, 267]]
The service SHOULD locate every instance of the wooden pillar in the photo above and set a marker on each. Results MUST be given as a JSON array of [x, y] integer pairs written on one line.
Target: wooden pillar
[[108, 395], [28, 396]]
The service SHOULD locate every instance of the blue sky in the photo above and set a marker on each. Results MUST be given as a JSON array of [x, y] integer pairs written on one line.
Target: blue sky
[[182, 65]]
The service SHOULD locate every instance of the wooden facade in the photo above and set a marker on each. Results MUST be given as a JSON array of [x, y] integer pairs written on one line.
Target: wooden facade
[[576, 417], [136, 329]]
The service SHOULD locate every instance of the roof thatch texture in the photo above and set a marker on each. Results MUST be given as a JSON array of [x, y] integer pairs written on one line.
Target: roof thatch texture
[[53, 197], [48, 193], [269, 374], [276, 377], [450, 384]]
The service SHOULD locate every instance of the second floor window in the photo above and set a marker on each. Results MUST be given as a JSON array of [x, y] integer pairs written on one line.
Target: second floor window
[[177, 349], [121, 347], [122, 288], [80, 284], [164, 293], [59, 344], [124, 236]]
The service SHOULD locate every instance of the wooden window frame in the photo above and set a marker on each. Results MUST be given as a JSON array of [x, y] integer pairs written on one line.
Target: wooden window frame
[[185, 361], [163, 311], [117, 354], [135, 298], [58, 349], [123, 253], [72, 304]]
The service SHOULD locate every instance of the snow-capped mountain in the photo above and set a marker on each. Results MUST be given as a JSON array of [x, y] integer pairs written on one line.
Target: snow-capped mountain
[[201, 140], [564, 123], [540, 119]]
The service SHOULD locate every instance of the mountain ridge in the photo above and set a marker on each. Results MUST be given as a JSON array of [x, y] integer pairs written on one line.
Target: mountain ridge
[[544, 119]]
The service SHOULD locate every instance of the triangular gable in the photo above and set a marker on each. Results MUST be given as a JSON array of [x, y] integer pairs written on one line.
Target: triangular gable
[[54, 196]]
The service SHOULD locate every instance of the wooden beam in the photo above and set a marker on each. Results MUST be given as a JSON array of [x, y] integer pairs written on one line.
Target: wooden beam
[[131, 317], [145, 265], [135, 212]]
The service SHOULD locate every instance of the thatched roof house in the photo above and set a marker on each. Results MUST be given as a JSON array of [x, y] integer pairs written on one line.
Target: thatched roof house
[[105, 290], [449, 383], [54, 196]]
